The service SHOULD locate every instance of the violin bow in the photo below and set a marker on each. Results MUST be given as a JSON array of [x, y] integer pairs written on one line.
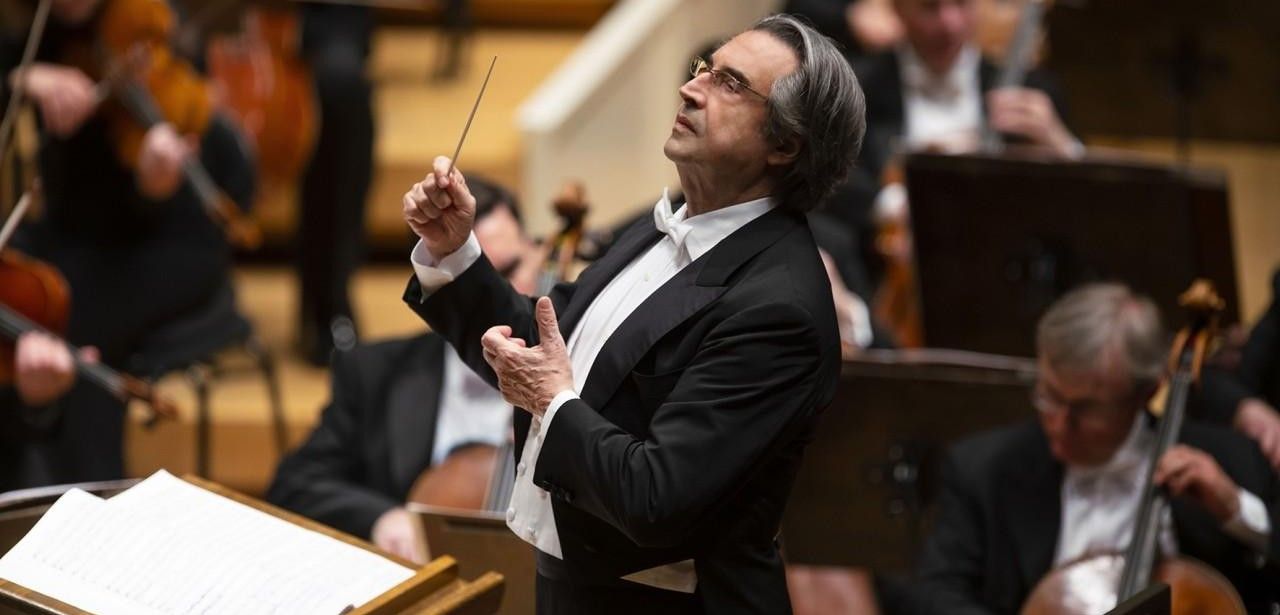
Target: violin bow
[[28, 54]]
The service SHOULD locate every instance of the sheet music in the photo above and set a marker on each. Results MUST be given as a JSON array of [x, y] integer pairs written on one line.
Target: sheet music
[[167, 546]]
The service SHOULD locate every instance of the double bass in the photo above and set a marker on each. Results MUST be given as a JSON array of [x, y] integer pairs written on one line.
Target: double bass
[[1094, 584]]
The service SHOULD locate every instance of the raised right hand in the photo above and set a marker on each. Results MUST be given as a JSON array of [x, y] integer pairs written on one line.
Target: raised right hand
[[65, 95], [440, 209]]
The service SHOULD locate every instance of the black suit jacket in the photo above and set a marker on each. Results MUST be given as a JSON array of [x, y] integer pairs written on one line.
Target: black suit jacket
[[691, 424], [373, 439], [881, 79], [1258, 374], [1000, 510]]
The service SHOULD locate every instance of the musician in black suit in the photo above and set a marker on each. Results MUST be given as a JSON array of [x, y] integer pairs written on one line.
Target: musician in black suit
[[1248, 395], [658, 444], [1018, 501], [936, 91], [401, 406]]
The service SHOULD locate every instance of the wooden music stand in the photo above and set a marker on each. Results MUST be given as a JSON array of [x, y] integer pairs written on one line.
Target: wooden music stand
[[864, 490], [482, 541], [436, 588], [998, 239]]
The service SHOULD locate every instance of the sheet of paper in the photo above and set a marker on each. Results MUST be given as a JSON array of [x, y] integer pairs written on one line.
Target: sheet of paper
[[167, 546]]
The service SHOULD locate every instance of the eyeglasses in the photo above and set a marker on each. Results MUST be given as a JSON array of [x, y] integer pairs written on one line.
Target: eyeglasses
[[1091, 412], [722, 79]]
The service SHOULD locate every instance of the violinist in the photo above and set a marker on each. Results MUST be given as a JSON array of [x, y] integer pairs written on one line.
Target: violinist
[[43, 372], [131, 236], [1021, 500], [935, 91], [401, 406]]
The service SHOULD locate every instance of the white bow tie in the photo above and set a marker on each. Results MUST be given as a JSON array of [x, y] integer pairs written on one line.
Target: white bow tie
[[674, 225]]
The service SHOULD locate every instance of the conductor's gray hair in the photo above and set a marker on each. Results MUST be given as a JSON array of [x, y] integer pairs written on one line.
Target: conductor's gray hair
[[821, 107], [1104, 327]]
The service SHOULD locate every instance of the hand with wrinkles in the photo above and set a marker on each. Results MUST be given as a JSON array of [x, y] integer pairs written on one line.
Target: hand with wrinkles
[[440, 209], [530, 378]]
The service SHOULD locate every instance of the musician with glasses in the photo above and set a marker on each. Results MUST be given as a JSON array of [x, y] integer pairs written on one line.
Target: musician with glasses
[[667, 395], [1018, 501]]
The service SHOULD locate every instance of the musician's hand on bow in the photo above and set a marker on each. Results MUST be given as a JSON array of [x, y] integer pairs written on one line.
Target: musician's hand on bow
[[44, 369], [1193, 474], [1029, 113], [65, 96], [530, 378], [440, 209], [160, 161]]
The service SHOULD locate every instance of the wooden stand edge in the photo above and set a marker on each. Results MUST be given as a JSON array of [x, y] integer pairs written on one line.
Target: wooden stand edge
[[429, 579]]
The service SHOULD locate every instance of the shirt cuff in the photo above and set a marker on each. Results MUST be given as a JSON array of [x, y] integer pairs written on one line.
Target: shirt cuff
[[1250, 525], [432, 275], [554, 406]]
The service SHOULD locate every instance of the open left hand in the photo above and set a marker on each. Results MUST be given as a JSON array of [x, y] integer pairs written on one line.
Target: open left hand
[[530, 378], [1192, 473]]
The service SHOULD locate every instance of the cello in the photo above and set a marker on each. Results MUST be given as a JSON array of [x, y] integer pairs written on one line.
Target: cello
[[1094, 584]]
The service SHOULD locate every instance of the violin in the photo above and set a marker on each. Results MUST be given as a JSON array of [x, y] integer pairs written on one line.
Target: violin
[[146, 84], [1096, 583]]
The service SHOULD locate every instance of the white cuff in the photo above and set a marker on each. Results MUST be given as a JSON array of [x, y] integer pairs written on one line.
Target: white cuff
[[1250, 525], [432, 275], [554, 406]]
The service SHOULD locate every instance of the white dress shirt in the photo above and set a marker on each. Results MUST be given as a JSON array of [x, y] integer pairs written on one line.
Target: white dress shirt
[[471, 411], [941, 110], [530, 513], [1099, 505]]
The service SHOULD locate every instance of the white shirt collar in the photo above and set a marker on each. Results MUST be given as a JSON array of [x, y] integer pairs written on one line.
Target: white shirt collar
[[708, 229], [919, 80]]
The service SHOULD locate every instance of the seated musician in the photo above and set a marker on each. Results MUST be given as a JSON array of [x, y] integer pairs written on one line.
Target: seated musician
[[1248, 395], [43, 371], [935, 91], [1019, 501], [119, 221], [401, 406]]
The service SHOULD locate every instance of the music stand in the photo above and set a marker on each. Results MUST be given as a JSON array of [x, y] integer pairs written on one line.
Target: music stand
[[864, 489], [1154, 600], [481, 541], [998, 239]]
